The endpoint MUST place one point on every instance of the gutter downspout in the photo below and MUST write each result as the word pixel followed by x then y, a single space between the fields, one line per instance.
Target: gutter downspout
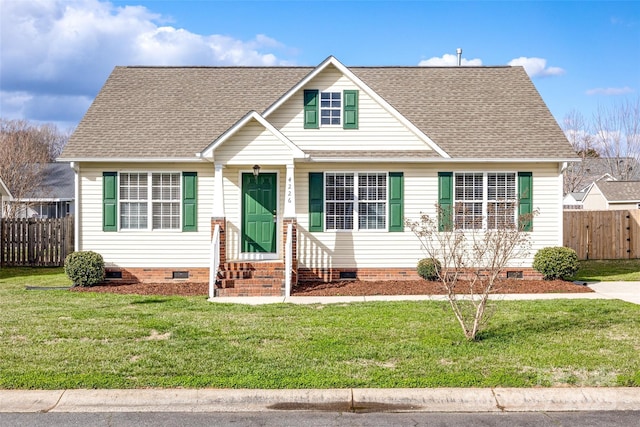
pixel 76 220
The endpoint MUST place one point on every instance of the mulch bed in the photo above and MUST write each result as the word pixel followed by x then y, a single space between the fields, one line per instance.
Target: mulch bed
pixel 345 288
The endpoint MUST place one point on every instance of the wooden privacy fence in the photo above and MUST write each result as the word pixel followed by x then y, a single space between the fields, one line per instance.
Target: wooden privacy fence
pixel 35 242
pixel 603 234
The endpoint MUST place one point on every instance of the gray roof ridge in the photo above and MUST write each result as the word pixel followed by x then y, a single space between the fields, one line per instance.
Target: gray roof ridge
pixel 262 67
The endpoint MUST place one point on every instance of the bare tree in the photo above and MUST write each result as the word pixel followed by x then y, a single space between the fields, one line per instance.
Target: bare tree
pixel 472 261
pixel 576 175
pixel 25 149
pixel 617 136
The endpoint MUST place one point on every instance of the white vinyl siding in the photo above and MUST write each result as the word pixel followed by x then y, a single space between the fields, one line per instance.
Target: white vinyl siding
pixel 144 248
pixel 253 144
pixel 377 128
pixel 372 248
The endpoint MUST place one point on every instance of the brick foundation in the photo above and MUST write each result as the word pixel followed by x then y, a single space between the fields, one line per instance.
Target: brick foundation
pixel 372 274
pixel 158 275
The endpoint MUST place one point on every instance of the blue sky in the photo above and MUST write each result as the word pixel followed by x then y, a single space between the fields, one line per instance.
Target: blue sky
pixel 56 54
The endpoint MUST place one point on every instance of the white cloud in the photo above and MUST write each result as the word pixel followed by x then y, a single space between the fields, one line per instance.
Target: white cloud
pixel 449 60
pixel 610 91
pixel 536 67
pixel 54 48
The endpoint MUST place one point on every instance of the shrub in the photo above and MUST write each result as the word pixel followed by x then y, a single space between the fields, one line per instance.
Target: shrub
pixel 84 268
pixel 428 268
pixel 556 262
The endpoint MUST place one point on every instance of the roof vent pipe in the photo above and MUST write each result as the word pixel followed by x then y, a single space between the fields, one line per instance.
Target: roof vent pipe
pixel 459 52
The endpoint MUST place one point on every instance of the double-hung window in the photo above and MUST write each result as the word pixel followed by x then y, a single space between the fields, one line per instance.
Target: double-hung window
pixel 134 201
pixel 356 200
pixel 330 108
pixel 485 200
pixel 149 194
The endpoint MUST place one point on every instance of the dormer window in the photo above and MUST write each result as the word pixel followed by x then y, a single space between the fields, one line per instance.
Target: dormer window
pixel 330 109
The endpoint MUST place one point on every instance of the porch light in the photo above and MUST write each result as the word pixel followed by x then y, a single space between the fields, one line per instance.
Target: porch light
pixel 256 170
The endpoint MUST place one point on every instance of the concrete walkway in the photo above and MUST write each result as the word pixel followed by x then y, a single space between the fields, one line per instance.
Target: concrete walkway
pixel 626 291
pixel 335 400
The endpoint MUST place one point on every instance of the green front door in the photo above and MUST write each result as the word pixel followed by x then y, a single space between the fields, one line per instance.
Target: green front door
pixel 259 212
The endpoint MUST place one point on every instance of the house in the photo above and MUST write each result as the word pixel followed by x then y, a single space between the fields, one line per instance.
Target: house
pixel 5 196
pixel 612 195
pixel 54 197
pixel 251 177
pixel 578 176
pixel 573 200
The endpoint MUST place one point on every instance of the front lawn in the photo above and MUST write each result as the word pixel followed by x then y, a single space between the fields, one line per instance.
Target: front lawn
pixel 609 270
pixel 58 339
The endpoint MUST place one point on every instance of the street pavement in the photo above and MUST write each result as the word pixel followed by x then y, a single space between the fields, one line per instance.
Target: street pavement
pixel 432 400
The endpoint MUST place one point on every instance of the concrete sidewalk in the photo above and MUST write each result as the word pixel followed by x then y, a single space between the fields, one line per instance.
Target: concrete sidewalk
pixel 336 400
pixel 626 291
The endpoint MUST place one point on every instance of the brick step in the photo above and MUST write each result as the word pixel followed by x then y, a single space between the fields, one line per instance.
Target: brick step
pixel 252 266
pixel 247 283
pixel 234 274
pixel 249 292
pixel 250 278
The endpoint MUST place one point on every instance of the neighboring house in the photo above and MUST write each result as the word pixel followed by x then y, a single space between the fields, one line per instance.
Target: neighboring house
pixel 612 195
pixel 168 157
pixel 578 176
pixel 573 200
pixel 5 197
pixel 55 196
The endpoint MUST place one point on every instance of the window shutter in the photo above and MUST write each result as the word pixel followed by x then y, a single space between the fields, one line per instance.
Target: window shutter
pixel 316 201
pixel 525 199
pixel 311 109
pixel 189 201
pixel 350 109
pixel 445 201
pixel 110 201
pixel 396 201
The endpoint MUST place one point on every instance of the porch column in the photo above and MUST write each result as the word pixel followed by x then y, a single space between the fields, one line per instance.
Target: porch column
pixel 289 218
pixel 218 193
pixel 218 249
pixel 289 194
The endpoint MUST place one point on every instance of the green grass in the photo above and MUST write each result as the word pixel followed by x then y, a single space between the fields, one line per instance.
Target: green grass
pixel 609 270
pixel 61 339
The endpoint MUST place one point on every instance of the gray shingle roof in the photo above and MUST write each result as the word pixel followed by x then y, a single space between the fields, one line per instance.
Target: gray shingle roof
pixel 58 182
pixel 175 112
pixel 619 191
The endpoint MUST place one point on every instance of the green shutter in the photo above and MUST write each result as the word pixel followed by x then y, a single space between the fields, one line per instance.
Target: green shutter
pixel 350 109
pixel 396 201
pixel 311 105
pixel 525 199
pixel 189 201
pixel 316 201
pixel 110 201
pixel 445 201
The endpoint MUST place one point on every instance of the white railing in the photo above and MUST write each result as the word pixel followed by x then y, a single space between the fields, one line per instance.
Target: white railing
pixel 288 260
pixel 214 260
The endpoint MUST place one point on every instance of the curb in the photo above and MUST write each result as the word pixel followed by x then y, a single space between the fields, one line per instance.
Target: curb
pixel 334 400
